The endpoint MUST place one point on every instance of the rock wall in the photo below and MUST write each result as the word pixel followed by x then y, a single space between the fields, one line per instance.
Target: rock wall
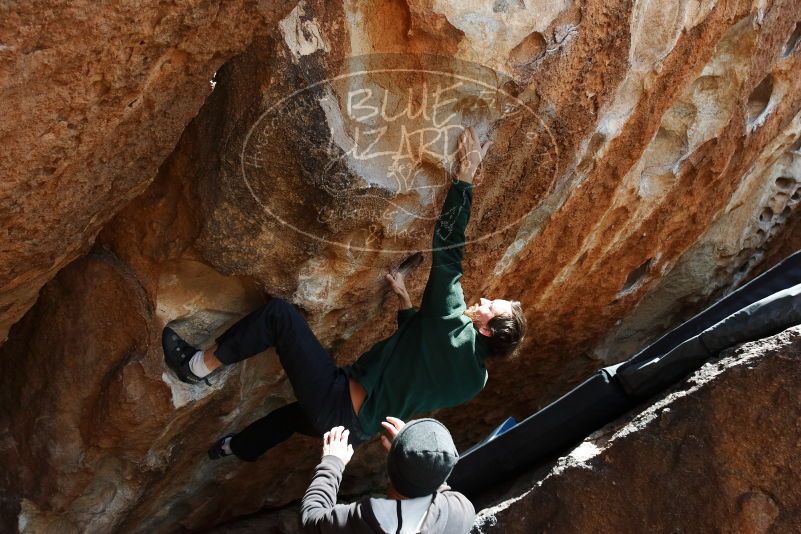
pixel 93 100
pixel 716 454
pixel 645 159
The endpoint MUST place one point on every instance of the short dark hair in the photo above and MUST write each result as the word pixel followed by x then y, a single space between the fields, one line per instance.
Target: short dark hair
pixel 506 332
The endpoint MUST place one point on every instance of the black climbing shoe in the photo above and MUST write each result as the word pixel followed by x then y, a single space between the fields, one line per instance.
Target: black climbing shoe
pixel 177 354
pixel 216 451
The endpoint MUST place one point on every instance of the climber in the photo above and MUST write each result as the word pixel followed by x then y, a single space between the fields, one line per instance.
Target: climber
pixel 420 456
pixel 435 358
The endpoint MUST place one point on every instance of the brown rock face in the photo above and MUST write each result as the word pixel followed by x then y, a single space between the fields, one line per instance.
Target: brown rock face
pixel 93 100
pixel 646 158
pixel 717 454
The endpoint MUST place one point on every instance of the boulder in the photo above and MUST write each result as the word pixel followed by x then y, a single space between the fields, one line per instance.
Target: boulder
pixel 206 157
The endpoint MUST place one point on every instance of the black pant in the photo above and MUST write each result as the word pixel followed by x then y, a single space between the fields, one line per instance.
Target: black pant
pixel 321 388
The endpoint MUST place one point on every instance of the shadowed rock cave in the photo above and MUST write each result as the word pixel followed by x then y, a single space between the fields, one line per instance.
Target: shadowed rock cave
pixel 183 163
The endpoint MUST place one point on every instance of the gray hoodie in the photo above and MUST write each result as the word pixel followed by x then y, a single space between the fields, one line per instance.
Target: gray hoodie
pixel 446 511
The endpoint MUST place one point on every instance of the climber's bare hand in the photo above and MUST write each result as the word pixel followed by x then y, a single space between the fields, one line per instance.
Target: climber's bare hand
pixel 398 285
pixel 470 154
pixel 335 443
pixel 392 425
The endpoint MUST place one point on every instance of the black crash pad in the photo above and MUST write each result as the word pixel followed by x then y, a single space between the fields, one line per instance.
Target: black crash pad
pixel 782 276
pixel 562 423
pixel 763 318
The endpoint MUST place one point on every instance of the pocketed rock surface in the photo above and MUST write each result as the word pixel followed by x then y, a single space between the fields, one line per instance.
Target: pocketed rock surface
pixel 182 163
pixel 718 453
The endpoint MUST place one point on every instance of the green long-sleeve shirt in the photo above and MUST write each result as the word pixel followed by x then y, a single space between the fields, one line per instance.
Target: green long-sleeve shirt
pixel 435 357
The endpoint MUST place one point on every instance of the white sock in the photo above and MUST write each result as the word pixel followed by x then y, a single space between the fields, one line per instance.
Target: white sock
pixel 226 446
pixel 198 365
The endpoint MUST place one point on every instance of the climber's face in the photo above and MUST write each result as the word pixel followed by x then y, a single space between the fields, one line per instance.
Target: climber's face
pixel 485 309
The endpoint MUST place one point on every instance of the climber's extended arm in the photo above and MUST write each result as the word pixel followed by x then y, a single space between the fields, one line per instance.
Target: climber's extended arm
pixel 443 295
pixel 319 511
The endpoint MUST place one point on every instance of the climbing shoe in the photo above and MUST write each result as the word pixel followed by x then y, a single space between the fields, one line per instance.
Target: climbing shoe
pixel 216 451
pixel 177 354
